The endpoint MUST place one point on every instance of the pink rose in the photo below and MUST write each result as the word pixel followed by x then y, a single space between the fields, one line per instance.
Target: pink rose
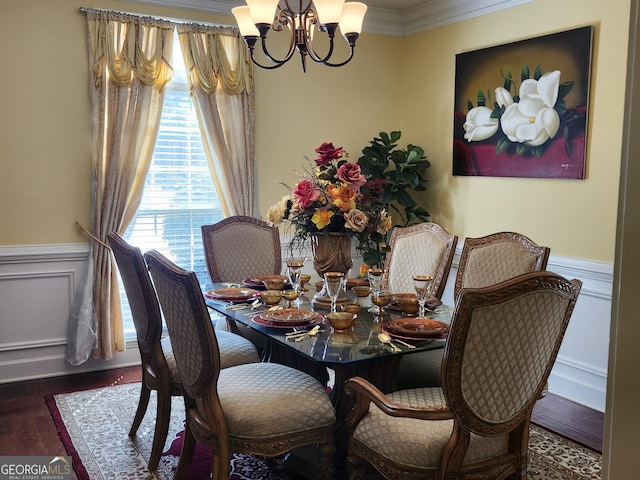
pixel 351 174
pixel 327 152
pixel 305 193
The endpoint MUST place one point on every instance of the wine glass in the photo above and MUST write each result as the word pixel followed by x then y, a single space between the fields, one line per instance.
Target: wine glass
pixel 333 283
pixel 294 270
pixel 422 284
pixel 375 276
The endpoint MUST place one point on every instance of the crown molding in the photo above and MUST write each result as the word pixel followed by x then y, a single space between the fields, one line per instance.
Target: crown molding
pixel 382 21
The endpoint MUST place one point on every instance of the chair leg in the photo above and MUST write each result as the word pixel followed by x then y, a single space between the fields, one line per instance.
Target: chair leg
pixel 143 402
pixel 163 415
pixel 357 467
pixel 186 454
pixel 326 452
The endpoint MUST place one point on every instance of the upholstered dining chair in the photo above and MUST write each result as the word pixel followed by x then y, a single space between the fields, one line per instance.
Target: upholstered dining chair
pixel 497 257
pixel 502 345
pixel 159 370
pixel 241 247
pixel 237 248
pixel 483 261
pixel 266 409
pixel 424 248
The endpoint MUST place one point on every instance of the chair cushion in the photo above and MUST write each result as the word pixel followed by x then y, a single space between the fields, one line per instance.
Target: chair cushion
pixel 419 443
pixel 267 399
pixel 235 350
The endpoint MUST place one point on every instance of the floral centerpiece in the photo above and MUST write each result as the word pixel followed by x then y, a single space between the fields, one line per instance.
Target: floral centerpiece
pixel 336 195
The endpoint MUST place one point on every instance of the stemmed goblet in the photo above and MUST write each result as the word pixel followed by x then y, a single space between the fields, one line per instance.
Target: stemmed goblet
pixel 380 299
pixel 294 270
pixel 375 276
pixel 333 283
pixel 422 284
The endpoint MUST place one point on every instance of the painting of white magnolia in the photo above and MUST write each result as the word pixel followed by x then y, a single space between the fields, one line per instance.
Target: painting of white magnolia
pixel 531 124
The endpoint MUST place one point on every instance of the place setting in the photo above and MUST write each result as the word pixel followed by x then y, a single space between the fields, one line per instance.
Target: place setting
pixel 288 318
pixel 234 297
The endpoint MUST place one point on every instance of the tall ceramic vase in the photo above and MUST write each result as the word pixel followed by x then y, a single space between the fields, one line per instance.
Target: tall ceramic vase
pixel 331 253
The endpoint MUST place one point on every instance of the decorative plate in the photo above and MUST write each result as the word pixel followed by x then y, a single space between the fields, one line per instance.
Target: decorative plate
pixel 418 327
pixel 257 281
pixel 231 294
pixel 269 323
pixel 289 316
pixel 412 338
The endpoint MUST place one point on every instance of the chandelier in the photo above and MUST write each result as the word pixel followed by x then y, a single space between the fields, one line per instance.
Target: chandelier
pixel 259 16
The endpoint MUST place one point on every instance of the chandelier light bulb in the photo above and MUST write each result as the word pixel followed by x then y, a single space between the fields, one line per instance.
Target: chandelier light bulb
pixel 262 11
pixel 245 22
pixel 329 11
pixel 352 17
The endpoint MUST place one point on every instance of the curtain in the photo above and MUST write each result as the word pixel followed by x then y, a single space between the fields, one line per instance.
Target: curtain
pixel 220 75
pixel 129 66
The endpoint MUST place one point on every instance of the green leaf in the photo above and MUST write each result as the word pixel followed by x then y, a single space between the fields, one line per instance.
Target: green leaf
pixel 567 141
pixel 469 105
pixel 395 136
pixel 502 145
pixel 565 88
pixel 524 73
pixel 373 258
pixel 521 149
pixel 481 99
pixel 538 73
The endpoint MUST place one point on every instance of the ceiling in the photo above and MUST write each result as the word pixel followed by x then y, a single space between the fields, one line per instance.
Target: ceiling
pixel 386 17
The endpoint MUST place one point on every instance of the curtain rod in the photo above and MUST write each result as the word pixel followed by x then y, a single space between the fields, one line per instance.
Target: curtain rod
pixel 84 10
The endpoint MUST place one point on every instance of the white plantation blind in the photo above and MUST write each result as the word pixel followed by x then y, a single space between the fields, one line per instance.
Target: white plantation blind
pixel 179 195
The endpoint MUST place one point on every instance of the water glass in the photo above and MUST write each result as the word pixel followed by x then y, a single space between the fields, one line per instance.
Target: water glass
pixel 333 283
pixel 422 284
pixel 294 270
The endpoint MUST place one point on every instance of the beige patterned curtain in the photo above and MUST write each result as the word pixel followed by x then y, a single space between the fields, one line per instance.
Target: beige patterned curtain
pixel 220 75
pixel 129 67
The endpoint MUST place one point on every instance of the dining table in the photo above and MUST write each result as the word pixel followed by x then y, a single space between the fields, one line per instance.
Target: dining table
pixel 330 356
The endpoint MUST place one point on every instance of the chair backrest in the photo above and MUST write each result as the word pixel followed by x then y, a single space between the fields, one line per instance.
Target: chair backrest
pixel 502 345
pixel 421 249
pixel 192 337
pixel 143 302
pixel 240 247
pixel 498 257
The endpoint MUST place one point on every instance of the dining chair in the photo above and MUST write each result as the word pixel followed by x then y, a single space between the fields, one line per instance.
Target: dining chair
pixel 503 342
pixel 237 248
pixel 241 247
pixel 267 409
pixel 497 257
pixel 424 248
pixel 484 261
pixel 159 370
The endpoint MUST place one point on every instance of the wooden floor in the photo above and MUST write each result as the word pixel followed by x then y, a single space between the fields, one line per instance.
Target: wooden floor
pixel 26 426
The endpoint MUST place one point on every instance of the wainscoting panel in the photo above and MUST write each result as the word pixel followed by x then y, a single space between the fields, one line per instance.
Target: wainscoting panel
pixel 37 285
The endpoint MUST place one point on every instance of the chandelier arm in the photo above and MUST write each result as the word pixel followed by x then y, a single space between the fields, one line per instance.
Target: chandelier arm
pixel 312 53
pixel 265 50
pixel 329 64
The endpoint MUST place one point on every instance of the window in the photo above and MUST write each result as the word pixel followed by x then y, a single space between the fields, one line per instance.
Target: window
pixel 179 195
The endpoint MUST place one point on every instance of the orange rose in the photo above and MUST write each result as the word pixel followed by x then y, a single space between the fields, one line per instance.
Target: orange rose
pixel 343 197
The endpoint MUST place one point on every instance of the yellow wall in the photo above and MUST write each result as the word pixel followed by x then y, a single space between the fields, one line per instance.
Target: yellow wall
pixel 393 83
pixel 576 218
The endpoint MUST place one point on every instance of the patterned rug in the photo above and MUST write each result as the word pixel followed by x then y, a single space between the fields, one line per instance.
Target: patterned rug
pixel 93 425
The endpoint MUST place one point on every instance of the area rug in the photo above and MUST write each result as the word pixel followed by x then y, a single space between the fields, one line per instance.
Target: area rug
pixel 93 426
